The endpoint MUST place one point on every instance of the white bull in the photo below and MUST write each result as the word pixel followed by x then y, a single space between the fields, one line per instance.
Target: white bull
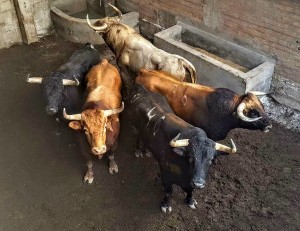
pixel 134 52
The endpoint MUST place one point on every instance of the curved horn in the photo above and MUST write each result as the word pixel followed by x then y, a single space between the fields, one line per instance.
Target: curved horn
pixel 68 82
pixel 258 93
pixel 190 67
pixel 71 117
pixel 34 80
pixel 224 148
pixel 119 12
pixel 179 143
pixel 241 115
pixel 96 28
pixel 110 112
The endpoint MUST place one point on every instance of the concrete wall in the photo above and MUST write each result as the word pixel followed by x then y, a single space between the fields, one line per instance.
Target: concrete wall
pixel 42 19
pixel 9 26
pixel 271 27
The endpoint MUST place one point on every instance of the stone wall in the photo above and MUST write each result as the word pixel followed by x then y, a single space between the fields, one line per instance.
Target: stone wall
pixel 9 26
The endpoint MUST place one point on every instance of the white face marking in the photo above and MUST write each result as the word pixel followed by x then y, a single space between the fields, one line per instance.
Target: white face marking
pixel 150 116
pixel 135 97
pixel 155 126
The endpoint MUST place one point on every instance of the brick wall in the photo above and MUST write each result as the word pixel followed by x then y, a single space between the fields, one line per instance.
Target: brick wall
pixel 163 12
pixel 9 26
pixel 270 26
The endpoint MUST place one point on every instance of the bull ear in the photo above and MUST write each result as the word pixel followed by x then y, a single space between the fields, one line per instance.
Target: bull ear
pixel 179 151
pixel 76 125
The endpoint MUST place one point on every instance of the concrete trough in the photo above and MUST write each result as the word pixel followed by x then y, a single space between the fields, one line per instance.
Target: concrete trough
pixel 70 23
pixel 219 63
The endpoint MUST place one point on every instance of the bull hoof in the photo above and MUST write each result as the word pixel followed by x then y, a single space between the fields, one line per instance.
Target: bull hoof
pixel 138 153
pixel 88 178
pixel 113 168
pixel 148 153
pixel 166 209
pixel 193 204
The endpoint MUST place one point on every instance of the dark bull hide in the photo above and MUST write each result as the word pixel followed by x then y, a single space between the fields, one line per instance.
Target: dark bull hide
pixel 59 87
pixel 183 151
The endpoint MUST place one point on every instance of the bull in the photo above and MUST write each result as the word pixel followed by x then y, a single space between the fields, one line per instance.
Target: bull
pixel 184 152
pixel 215 110
pixel 99 119
pixel 59 87
pixel 134 52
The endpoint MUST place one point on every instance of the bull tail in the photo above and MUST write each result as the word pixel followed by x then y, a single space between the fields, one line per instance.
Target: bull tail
pixel 190 68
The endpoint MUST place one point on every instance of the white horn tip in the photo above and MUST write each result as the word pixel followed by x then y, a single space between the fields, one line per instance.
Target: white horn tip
pixel 233 146
pixel 64 112
pixel 77 82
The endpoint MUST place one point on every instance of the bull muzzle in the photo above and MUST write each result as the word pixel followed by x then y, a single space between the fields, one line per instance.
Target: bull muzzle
pixel 267 128
pixel 51 110
pixel 99 150
pixel 198 183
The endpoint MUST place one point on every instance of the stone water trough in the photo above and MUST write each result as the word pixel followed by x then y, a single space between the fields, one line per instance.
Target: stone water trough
pixel 219 63
pixel 70 23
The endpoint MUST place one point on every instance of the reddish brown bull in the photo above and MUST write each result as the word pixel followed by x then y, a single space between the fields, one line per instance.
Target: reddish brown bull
pixel 99 119
pixel 215 110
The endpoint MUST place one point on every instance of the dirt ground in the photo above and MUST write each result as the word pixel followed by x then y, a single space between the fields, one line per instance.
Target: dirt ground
pixel 42 169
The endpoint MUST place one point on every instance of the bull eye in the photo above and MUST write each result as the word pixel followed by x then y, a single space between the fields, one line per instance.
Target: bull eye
pixel 253 113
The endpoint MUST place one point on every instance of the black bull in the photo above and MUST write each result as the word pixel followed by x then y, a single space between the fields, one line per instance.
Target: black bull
pixel 59 96
pixel 184 161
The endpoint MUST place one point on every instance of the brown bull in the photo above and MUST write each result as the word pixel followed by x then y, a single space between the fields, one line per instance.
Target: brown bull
pixel 215 110
pixel 134 52
pixel 99 118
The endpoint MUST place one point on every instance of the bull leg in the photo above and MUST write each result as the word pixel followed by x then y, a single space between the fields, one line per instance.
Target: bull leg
pixel 113 167
pixel 126 81
pixel 165 204
pixel 146 152
pixel 139 147
pixel 89 176
pixel 84 147
pixel 190 202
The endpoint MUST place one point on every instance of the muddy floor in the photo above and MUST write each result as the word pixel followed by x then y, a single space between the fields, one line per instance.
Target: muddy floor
pixel 41 169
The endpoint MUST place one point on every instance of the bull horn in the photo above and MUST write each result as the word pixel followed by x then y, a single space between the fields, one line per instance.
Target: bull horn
pixel 175 143
pixel 68 82
pixel 34 80
pixel 190 67
pixel 258 93
pixel 224 148
pixel 119 12
pixel 241 115
pixel 71 117
pixel 96 28
pixel 110 112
